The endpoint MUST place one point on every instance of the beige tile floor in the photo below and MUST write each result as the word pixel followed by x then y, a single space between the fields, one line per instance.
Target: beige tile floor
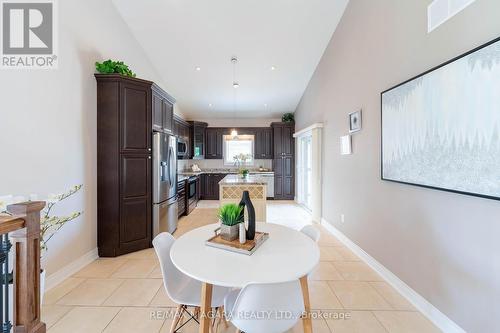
pixel 126 294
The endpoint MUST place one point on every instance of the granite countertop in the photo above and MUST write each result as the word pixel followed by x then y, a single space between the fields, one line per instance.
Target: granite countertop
pixel 225 171
pixel 181 178
pixel 238 180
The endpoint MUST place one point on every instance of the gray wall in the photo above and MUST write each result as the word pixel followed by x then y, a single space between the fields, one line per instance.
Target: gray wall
pixel 443 245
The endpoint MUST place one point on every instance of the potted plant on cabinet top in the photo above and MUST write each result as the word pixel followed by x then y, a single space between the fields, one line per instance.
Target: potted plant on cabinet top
pixel 114 67
pixel 230 217
pixel 288 117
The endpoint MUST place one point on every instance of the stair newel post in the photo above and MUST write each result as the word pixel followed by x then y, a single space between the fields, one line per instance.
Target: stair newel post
pixel 26 242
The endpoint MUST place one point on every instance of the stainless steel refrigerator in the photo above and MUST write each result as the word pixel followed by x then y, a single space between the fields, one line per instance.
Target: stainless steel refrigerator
pixel 164 183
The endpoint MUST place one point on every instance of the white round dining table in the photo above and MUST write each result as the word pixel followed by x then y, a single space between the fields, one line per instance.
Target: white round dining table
pixel 286 255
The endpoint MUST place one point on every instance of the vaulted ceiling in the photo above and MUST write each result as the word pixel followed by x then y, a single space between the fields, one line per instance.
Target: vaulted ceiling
pixel 191 42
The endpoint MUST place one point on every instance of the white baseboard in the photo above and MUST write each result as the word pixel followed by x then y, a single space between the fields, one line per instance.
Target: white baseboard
pixel 55 278
pixel 420 303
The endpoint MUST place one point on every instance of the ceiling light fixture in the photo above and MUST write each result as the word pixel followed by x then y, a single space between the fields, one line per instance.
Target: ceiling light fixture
pixel 197 68
pixel 234 61
pixel 273 68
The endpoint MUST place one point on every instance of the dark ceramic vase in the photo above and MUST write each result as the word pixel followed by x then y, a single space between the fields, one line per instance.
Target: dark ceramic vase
pixel 246 202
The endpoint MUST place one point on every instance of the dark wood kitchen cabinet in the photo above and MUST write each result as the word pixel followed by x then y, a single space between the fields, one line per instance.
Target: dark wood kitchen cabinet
pixel 263 143
pixel 284 160
pixel 163 110
pixel 125 121
pixel 181 128
pixel 197 139
pixel 210 185
pixel 214 141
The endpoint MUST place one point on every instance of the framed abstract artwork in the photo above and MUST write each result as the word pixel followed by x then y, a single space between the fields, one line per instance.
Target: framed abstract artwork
pixel 441 129
pixel 355 121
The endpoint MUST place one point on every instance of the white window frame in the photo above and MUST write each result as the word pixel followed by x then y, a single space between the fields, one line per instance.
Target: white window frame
pixel 227 138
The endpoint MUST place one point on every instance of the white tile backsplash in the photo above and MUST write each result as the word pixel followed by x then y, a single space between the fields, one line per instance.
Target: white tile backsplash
pixel 219 164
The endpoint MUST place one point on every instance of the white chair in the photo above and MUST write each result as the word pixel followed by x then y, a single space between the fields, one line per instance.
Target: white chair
pixel 269 308
pixel 312 232
pixel 182 289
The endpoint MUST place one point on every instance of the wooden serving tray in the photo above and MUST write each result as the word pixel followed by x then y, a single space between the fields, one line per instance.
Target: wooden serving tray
pixel 235 246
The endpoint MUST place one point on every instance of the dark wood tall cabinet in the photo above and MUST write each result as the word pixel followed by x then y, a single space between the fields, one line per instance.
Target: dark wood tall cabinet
pixel 128 109
pixel 264 143
pixel 197 135
pixel 213 142
pixel 284 160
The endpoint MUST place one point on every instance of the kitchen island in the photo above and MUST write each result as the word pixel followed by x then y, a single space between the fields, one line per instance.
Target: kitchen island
pixel 231 190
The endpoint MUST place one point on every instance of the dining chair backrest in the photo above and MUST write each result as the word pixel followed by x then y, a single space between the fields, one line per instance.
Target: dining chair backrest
pixel 173 279
pixel 312 232
pixel 270 308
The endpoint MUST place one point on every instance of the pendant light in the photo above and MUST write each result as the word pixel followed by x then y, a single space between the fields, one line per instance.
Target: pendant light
pixel 236 85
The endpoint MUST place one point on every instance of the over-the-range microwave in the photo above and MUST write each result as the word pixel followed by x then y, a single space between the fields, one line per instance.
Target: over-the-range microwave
pixel 182 148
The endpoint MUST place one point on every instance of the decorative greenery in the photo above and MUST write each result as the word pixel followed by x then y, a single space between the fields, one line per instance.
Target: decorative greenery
pixel 230 214
pixel 244 172
pixel 288 117
pixel 109 66
pixel 50 225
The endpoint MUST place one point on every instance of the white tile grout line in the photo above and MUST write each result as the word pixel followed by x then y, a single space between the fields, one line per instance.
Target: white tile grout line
pixel 425 307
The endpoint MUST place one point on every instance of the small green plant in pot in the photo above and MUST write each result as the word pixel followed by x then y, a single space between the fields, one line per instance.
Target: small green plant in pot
pixel 230 217
pixel 244 172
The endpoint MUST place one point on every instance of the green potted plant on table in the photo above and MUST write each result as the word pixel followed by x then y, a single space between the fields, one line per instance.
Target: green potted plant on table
pixel 244 173
pixel 230 217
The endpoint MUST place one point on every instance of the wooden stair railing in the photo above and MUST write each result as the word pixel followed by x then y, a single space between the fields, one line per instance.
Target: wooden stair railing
pixel 24 229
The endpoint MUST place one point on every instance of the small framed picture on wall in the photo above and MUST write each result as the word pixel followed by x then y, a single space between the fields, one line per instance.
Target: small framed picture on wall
pixel 355 121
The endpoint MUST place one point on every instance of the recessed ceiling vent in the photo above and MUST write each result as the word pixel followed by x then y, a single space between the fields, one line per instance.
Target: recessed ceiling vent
pixel 439 11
